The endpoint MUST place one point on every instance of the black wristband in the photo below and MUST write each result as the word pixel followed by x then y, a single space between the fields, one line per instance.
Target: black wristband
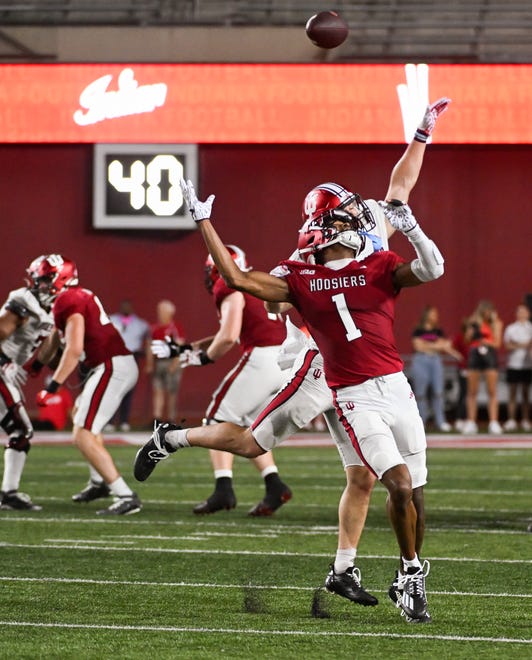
pixel 53 386
pixel 204 358
pixel 36 366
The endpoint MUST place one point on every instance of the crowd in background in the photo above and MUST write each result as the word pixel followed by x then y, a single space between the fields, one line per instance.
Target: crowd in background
pixel 480 350
pixel 453 375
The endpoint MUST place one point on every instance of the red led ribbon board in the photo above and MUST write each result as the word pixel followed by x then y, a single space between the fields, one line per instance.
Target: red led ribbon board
pixel 256 103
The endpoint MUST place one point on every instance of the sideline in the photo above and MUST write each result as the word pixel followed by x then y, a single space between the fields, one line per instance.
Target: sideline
pixel 434 440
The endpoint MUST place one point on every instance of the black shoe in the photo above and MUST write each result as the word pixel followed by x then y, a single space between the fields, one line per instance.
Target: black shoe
pixel 272 501
pixel 218 501
pixel 155 450
pixel 12 499
pixel 92 491
pixel 396 592
pixel 348 585
pixel 412 598
pixel 122 506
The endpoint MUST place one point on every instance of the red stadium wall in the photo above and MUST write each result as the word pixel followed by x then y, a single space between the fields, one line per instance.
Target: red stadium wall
pixel 472 199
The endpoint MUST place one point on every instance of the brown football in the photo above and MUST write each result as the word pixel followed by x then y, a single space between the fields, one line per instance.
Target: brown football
pixel 327 29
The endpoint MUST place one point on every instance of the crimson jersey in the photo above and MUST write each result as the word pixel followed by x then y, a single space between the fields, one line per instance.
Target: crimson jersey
pixel 102 339
pixel 258 327
pixel 350 314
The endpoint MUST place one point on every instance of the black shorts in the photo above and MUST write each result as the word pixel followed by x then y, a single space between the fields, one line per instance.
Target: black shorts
pixel 482 358
pixel 519 376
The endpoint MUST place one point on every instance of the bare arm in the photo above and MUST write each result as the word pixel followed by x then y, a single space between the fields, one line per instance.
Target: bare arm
pixel 231 312
pixel 74 341
pixel 9 322
pixel 258 284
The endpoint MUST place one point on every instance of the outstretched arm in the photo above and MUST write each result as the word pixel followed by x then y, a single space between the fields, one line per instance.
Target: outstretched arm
pixel 406 171
pixel 258 284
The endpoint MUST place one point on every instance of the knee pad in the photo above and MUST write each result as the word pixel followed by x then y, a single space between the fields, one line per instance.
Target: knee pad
pixel 417 466
pixel 19 443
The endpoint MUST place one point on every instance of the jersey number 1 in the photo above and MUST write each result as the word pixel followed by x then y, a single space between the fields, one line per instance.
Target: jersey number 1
pixel 351 331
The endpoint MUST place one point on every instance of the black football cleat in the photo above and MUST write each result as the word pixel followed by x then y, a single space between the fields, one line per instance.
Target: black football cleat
pixel 13 500
pixel 154 451
pixel 122 506
pixel 92 491
pixel 272 501
pixel 218 501
pixel 349 586
pixel 411 595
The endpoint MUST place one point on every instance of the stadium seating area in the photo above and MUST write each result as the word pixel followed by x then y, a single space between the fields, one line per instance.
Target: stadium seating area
pixel 381 30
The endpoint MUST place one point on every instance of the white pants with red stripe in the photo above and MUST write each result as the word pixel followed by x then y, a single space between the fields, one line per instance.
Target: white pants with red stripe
pixel 382 420
pixel 247 387
pixel 103 392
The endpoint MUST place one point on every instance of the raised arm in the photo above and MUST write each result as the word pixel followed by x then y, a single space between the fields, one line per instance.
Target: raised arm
pixel 406 171
pixel 258 284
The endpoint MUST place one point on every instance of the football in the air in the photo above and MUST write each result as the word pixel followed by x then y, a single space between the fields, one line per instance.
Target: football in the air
pixel 327 29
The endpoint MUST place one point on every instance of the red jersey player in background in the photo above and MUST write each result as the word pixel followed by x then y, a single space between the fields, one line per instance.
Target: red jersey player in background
pixel 254 379
pixel 89 335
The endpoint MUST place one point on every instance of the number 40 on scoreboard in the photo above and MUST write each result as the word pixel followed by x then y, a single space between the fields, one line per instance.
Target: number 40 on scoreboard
pixel 136 186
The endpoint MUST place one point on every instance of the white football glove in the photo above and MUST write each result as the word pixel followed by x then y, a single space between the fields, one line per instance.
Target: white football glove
pixel 399 215
pixel 198 210
pixel 194 358
pixel 167 347
pixel 433 111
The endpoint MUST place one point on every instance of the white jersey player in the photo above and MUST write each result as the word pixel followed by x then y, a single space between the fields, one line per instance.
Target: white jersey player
pixel 25 323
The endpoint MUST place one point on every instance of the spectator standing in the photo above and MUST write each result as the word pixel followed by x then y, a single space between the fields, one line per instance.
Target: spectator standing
pixel 429 343
pixel 135 332
pixel 518 342
pixel 460 345
pixel 165 372
pixel 484 335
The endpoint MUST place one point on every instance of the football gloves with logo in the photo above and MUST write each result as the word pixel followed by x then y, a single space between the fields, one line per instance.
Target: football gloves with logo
pixel 194 358
pixel 433 111
pixel 167 347
pixel 399 215
pixel 198 210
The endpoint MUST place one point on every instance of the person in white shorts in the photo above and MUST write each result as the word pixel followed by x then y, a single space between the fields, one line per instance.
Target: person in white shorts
pixel 306 395
pixel 89 335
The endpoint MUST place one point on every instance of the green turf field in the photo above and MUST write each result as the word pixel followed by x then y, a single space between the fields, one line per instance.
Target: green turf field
pixel 166 584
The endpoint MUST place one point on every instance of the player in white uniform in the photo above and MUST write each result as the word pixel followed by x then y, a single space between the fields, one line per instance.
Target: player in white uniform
pixel 26 323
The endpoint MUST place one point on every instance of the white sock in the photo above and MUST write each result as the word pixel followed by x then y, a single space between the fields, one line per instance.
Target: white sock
pixel 177 439
pixel 14 462
pixel 271 469
pixel 119 488
pixel 411 563
pixel 94 475
pixel 218 474
pixel 345 558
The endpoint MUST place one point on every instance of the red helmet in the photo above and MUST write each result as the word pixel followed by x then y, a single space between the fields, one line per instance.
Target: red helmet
pixel 48 275
pixel 325 204
pixel 211 272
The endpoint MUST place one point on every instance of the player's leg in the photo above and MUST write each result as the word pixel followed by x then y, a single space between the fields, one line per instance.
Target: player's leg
pixel 96 404
pixel 364 409
pixel 16 423
pixel 223 495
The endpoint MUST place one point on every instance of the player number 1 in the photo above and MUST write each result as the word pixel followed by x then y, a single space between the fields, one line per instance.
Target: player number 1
pixel 351 331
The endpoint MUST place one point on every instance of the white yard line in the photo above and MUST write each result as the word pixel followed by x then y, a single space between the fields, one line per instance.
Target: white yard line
pixel 247 631
pixel 195 585
pixel 82 545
